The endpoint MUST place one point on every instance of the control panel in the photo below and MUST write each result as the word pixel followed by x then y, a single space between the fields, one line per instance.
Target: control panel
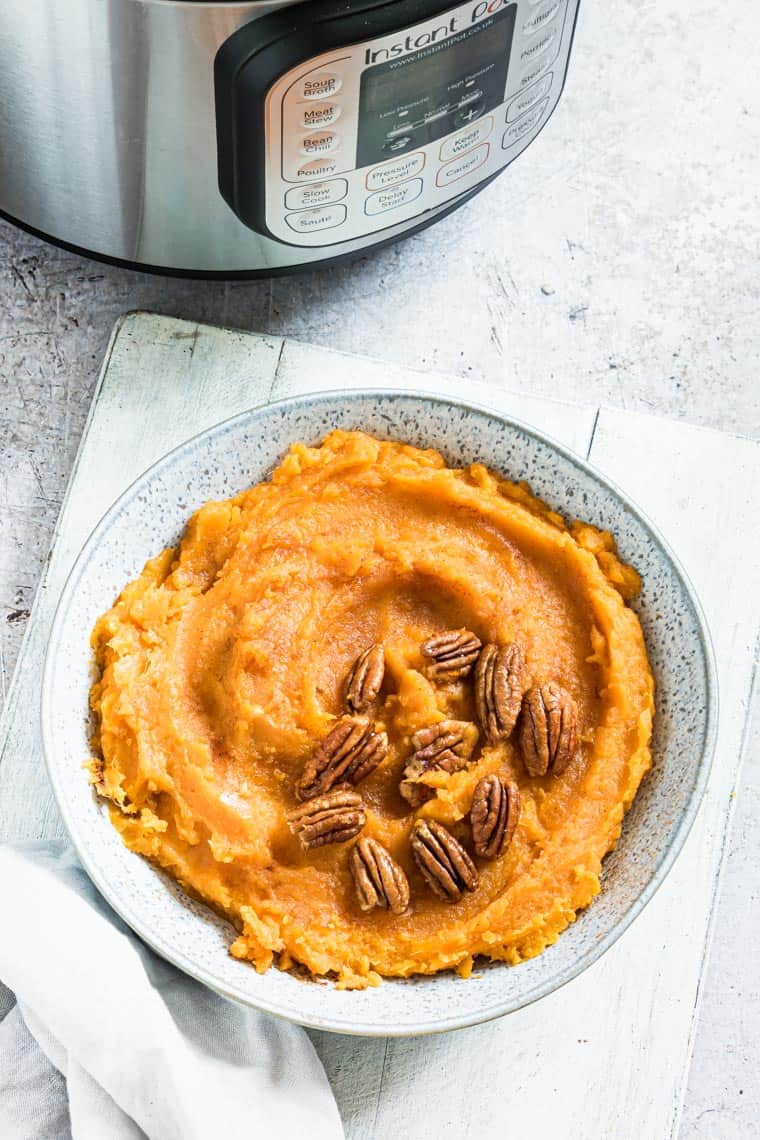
pixel 376 132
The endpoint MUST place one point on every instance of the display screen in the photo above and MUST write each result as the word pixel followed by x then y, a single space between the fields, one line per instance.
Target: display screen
pixel 409 98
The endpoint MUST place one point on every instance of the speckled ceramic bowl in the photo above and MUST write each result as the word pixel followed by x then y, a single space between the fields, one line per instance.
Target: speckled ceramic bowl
pixel 230 457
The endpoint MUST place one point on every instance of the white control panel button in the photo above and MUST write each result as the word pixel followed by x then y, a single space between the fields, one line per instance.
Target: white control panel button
pixel 542 16
pixel 461 167
pixel 396 171
pixel 528 98
pixel 540 46
pixel 524 125
pixel 319 85
pixel 320 168
pixel 393 197
pixel 323 142
pixel 322 218
pixel 536 70
pixel 318 115
pixel 466 140
pixel 316 194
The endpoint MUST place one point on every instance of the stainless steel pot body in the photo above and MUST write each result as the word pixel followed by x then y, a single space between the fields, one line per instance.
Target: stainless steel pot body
pixel 108 131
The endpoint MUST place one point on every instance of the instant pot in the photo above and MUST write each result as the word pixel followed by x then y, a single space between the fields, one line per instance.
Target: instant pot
pixel 252 138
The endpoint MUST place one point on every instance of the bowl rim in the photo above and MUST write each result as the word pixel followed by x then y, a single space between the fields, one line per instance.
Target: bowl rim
pixel 428 1026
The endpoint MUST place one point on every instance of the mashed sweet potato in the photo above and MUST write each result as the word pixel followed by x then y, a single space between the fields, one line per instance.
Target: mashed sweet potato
pixel 222 667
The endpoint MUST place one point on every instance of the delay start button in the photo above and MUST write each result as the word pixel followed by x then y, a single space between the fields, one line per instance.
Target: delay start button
pixel 321 218
pixel 319 85
pixel 393 197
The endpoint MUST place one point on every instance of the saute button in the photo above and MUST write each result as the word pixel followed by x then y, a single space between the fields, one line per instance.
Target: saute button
pixel 316 194
pixel 320 168
pixel 463 166
pixel 319 85
pixel 393 197
pixel 466 140
pixel 319 114
pixel 527 99
pixel 323 142
pixel 323 218
pixel 523 125
pixel 395 171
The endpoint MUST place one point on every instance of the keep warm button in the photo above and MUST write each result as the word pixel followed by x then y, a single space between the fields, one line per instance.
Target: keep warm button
pixel 467 139
pixel 463 166
pixel 393 197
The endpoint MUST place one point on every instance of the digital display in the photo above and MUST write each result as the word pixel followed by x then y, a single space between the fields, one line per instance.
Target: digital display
pixel 409 98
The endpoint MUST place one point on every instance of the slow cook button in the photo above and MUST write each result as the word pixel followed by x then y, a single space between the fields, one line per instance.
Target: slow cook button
pixel 319 85
pixel 316 194
pixel 527 99
pixel 393 197
pixel 323 142
pixel 523 125
pixel 463 166
pixel 322 218
pixel 320 168
pixel 466 140
pixel 319 115
pixel 395 171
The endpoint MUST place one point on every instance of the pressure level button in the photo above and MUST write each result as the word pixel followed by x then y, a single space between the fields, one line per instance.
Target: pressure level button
pixel 320 85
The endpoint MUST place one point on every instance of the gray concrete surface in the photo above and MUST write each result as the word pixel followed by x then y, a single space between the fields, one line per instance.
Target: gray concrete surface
pixel 616 263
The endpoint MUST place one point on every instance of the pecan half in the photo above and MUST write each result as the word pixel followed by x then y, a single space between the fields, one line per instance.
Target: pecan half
pixel 349 752
pixel 447 745
pixel 493 816
pixel 378 879
pixel 499 685
pixel 451 654
pixel 548 729
pixel 364 681
pixel 443 862
pixel 332 818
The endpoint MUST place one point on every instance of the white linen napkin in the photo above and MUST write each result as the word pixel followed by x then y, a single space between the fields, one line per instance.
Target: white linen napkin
pixel 100 1039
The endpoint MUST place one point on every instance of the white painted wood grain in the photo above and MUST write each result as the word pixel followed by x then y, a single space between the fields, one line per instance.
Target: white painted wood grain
pixel 576 1065
pixel 162 382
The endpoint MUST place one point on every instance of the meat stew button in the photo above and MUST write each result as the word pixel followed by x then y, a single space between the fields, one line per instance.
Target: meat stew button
pixel 321 218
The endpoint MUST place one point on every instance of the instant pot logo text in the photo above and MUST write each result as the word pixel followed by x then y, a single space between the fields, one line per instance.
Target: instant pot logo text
pixel 453 25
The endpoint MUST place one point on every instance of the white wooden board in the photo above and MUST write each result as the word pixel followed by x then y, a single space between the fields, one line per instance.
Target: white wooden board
pixel 608 1055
